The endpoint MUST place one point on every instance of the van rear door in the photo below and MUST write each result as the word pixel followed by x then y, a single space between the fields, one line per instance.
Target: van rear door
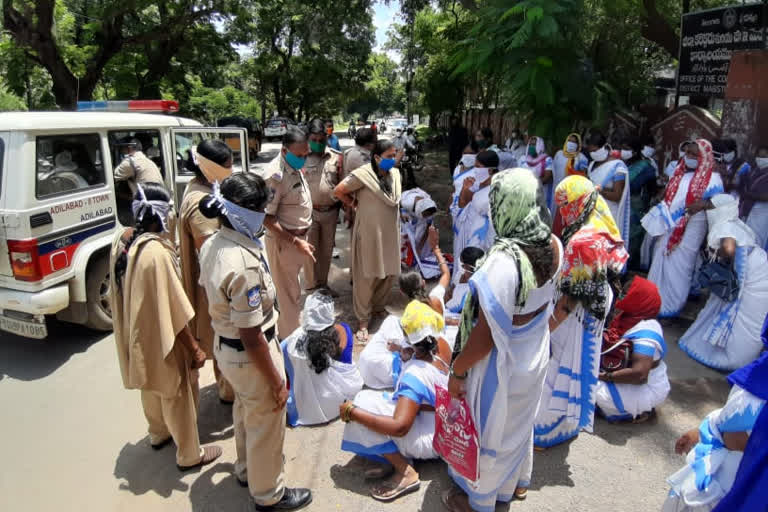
pixel 183 140
pixel 5 262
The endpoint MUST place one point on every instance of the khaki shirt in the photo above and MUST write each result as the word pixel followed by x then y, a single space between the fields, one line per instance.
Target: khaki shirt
pixel 355 158
pixel 322 175
pixel 137 168
pixel 194 225
pixel 292 202
pixel 235 275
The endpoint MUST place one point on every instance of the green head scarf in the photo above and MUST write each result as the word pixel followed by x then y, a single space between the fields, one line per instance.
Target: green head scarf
pixel 517 220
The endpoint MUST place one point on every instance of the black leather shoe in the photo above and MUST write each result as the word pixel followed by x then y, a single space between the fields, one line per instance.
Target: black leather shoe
pixel 293 499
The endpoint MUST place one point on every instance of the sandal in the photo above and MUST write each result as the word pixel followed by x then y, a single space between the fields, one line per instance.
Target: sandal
pixel 385 492
pixel 642 418
pixel 210 454
pixel 521 493
pixel 378 472
pixel 455 500
pixel 361 337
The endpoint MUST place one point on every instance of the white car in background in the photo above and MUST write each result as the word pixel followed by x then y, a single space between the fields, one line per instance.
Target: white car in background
pixel 277 127
pixel 397 124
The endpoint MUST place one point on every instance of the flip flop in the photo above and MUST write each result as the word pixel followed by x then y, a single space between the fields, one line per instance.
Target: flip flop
pixel 521 493
pixel 210 454
pixel 396 492
pixel 361 336
pixel 448 498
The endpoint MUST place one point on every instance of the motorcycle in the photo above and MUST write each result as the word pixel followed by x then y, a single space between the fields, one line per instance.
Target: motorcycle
pixel 411 164
pixel 351 131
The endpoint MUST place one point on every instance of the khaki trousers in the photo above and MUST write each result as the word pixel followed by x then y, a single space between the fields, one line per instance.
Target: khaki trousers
pixel 226 393
pixel 285 262
pixel 177 418
pixel 322 236
pixel 259 432
pixel 370 295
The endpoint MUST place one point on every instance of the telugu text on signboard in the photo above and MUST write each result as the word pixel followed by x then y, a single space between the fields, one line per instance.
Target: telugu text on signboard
pixel 707 40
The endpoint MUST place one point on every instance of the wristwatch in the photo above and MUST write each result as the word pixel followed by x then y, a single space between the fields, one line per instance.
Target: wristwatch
pixel 459 376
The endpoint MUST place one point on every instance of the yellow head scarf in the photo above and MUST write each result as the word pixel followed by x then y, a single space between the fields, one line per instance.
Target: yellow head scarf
pixel 581 205
pixel 419 321
pixel 565 145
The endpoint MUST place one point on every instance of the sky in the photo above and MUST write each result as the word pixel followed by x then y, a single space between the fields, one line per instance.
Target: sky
pixel 383 17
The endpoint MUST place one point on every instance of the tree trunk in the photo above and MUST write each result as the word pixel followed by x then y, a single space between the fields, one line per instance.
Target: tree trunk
pixel 657 29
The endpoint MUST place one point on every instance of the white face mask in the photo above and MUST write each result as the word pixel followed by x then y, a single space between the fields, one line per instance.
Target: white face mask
pixel 468 160
pixel 599 155
pixel 728 157
pixel 571 146
pixel 648 151
pixel 682 154
pixel 762 162
pixel 691 163
pixel 626 154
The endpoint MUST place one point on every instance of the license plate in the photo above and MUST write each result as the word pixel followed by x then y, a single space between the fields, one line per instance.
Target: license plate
pixel 36 330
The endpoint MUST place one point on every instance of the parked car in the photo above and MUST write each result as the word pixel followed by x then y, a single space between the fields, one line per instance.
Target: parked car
pixel 277 127
pixel 60 205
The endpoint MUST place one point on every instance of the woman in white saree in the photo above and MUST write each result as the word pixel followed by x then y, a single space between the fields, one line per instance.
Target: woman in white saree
pixel 726 334
pixel 611 174
pixel 503 348
pixel 678 226
pixel 594 258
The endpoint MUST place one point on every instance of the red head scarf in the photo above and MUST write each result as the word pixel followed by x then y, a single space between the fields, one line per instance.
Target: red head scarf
pixel 642 302
pixel 696 189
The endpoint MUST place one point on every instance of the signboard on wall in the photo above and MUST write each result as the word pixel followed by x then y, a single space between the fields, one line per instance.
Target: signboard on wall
pixel 707 40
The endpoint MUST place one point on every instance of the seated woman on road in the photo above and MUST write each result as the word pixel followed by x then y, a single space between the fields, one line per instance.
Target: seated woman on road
pixel 725 335
pixel 417 210
pixel 151 314
pixel 725 468
pixel 632 393
pixel 454 297
pixel 380 361
pixel 318 362
pixel 753 208
pixel 396 428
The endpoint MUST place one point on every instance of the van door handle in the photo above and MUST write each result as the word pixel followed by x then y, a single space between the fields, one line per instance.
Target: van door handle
pixel 40 219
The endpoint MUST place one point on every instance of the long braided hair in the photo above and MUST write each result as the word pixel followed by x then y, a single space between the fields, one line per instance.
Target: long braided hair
pixel 148 223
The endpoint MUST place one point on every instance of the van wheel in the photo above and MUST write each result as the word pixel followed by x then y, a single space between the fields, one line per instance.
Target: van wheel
pixel 97 295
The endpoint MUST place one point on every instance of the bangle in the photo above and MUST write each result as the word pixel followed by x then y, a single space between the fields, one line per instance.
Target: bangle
pixel 459 376
pixel 346 414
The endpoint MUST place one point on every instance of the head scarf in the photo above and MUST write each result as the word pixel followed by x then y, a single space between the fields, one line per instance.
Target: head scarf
pixel 724 222
pixel 642 302
pixel 516 218
pixel 142 205
pixel 319 312
pixel 246 222
pixel 594 248
pixel 420 321
pixel 750 489
pixel 580 204
pixel 570 164
pixel 540 155
pixel 696 189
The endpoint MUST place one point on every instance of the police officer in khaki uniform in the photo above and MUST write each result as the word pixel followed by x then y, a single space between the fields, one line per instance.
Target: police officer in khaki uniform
pixel 135 167
pixel 289 217
pixel 241 297
pixel 354 158
pixel 321 170
pixel 211 161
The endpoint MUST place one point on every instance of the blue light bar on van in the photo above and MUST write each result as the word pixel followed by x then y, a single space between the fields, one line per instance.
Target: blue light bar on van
pixel 165 106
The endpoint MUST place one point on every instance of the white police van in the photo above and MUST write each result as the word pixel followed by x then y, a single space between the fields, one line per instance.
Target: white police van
pixel 59 206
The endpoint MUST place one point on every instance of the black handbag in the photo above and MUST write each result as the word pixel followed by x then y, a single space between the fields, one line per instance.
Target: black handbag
pixel 720 279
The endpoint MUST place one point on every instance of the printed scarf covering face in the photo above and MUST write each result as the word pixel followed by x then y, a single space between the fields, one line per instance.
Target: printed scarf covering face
pixel 696 189
pixel 516 218
pixel 579 204
pixel 642 302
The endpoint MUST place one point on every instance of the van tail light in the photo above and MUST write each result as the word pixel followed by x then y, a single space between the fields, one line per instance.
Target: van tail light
pixel 25 260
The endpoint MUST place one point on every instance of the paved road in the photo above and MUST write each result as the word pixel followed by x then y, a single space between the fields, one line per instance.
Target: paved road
pixel 73 439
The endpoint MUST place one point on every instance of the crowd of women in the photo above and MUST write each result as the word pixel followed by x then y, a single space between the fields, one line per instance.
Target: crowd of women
pixel 537 321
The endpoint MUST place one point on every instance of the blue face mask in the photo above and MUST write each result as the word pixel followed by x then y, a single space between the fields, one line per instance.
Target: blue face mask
pixel 294 161
pixel 246 222
pixel 387 164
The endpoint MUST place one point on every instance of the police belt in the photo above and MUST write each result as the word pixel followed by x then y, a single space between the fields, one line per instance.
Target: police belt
pixel 324 209
pixel 236 344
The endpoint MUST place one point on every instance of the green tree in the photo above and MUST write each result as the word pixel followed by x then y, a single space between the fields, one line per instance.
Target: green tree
pixel 383 93
pixel 75 40
pixel 308 55
pixel 10 102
